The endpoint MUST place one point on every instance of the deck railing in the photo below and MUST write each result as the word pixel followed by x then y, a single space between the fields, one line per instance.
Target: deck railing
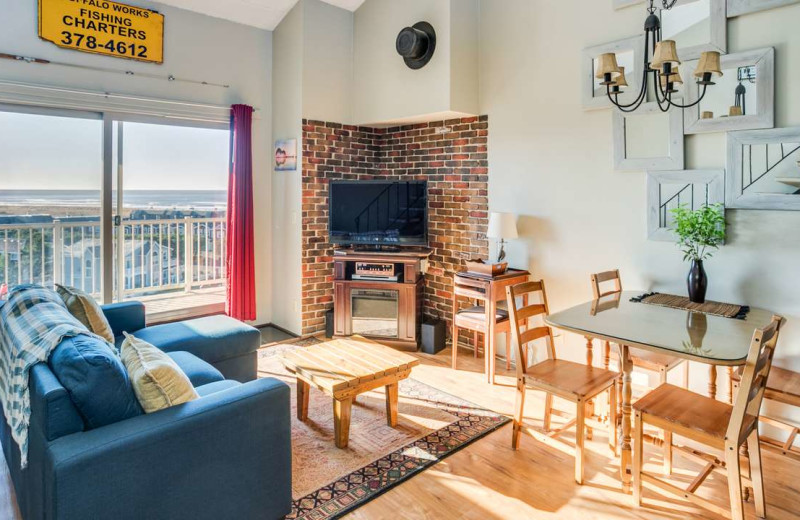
pixel 159 255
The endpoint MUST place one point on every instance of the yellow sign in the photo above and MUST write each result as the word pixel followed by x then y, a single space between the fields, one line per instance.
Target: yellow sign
pixel 102 27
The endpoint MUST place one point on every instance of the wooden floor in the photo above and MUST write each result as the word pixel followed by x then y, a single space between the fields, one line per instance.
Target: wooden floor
pixel 488 480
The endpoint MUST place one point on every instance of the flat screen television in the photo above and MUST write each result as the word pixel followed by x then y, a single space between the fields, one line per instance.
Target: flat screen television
pixel 378 213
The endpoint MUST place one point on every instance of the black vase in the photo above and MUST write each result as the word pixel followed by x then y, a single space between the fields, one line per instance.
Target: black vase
pixel 697 282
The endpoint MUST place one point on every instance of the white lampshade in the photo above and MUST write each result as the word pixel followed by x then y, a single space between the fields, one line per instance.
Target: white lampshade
pixel 502 225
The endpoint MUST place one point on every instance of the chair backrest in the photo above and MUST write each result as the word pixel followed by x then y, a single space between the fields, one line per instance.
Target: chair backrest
pixel 520 314
pixel 468 289
pixel 606 276
pixel 748 399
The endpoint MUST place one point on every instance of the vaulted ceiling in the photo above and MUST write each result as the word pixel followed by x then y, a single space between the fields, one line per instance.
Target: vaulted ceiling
pixel 265 14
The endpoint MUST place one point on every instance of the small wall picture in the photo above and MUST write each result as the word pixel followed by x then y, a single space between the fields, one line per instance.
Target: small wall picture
pixel 285 155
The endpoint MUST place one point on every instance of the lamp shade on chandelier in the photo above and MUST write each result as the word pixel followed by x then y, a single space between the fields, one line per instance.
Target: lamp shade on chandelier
pixel 661 62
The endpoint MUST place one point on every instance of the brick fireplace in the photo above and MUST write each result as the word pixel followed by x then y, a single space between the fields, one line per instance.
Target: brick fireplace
pixel 451 155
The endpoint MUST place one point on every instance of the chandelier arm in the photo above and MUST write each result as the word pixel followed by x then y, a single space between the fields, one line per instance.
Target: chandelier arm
pixel 642 89
pixel 663 104
pixel 631 107
pixel 658 87
pixel 692 104
pixel 637 101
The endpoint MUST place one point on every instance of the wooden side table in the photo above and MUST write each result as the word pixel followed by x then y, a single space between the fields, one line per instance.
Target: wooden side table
pixel 494 287
pixel 344 368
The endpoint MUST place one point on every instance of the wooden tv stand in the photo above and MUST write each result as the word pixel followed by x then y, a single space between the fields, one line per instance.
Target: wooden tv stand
pixel 387 311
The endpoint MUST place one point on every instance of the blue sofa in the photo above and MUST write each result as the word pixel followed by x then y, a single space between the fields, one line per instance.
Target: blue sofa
pixel 224 455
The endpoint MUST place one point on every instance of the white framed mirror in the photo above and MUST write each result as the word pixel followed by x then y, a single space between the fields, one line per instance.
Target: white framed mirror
pixel 743 98
pixel 696 26
pixel 630 54
pixel 764 169
pixel 740 7
pixel 648 139
pixel 667 191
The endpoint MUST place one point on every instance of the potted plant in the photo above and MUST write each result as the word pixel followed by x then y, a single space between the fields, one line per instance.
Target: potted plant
pixel 700 232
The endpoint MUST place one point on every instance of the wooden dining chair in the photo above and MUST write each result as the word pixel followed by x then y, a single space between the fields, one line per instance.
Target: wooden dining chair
pixel 651 361
pixel 713 423
pixel 476 319
pixel 574 382
pixel 783 386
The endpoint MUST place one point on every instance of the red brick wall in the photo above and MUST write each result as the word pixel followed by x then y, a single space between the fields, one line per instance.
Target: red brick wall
pixel 450 155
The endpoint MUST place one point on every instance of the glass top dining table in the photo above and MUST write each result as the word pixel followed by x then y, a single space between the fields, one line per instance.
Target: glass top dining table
pixel 713 340
pixel 704 338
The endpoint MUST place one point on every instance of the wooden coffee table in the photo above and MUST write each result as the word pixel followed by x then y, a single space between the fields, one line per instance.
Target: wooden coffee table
pixel 344 368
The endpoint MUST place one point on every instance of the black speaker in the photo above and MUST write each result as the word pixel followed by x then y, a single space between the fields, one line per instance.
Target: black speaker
pixel 433 336
pixel 329 324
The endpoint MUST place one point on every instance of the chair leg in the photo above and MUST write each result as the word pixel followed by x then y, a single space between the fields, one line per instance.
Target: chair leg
pixel 638 459
pixel 756 474
pixel 612 418
pixel 455 344
pixel 508 351
pixel 518 414
pixel 734 469
pixel 580 439
pixel 667 452
pixel 548 410
pixel 606 354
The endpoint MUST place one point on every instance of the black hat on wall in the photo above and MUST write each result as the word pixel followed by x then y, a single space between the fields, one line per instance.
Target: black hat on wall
pixel 416 44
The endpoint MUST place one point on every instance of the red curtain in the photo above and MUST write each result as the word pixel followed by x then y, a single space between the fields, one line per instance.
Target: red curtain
pixel 240 302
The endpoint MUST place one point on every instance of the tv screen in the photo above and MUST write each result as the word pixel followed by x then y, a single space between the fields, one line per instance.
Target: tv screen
pixel 378 212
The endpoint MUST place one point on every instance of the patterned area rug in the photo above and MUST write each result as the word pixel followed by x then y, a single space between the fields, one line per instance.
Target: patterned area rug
pixel 328 482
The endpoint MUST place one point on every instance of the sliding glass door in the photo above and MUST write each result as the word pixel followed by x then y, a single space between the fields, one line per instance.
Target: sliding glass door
pixel 123 208
pixel 51 169
pixel 169 245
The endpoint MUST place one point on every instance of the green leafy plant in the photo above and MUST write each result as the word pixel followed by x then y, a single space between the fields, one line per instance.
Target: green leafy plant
pixel 701 231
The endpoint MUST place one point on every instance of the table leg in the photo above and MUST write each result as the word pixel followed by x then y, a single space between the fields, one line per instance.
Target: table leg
pixel 712 381
pixel 590 402
pixel 626 367
pixel 341 421
pixel 391 405
pixel 302 399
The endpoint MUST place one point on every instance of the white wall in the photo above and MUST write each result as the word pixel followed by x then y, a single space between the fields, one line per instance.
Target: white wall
pixel 551 163
pixel 464 56
pixel 327 62
pixel 386 90
pixel 313 79
pixel 287 102
pixel 195 47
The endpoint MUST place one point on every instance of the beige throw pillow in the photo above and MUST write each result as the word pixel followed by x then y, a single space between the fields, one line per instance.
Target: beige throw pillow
pixel 86 310
pixel 157 380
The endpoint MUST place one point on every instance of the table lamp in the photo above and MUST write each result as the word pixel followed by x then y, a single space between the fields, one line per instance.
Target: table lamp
pixel 502 226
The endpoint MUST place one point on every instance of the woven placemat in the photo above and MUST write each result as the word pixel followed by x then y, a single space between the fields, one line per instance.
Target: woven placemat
pixel 726 310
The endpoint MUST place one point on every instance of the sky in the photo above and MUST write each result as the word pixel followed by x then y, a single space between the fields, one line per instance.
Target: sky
pixel 55 153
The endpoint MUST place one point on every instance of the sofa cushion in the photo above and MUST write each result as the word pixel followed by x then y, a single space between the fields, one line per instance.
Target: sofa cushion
pixel 212 339
pixel 96 380
pixel 217 386
pixel 157 380
pixel 198 371
pixel 86 310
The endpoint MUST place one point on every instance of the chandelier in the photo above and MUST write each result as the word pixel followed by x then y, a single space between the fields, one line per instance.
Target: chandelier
pixel 663 68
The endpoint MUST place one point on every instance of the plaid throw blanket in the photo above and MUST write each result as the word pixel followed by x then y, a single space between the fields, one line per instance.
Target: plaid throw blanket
pixel 33 322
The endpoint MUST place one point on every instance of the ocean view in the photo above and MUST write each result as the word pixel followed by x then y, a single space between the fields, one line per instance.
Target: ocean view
pixel 203 200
